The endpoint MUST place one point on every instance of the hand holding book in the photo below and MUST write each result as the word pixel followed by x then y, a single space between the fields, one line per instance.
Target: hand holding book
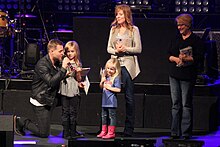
pixel 185 53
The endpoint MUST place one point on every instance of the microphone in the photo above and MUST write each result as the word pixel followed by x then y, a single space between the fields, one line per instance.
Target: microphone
pixel 69 64
pixel 63 57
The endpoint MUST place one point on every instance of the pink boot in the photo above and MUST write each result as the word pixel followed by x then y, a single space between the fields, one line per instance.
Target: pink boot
pixel 111 133
pixel 103 132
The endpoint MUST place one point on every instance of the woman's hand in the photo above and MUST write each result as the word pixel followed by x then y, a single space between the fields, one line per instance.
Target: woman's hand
pixel 120 48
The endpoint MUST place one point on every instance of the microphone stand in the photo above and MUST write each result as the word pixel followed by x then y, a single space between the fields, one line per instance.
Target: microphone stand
pixel 42 21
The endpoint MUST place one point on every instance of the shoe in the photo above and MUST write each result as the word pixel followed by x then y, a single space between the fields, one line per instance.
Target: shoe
pixel 186 137
pixel 80 134
pixel 18 129
pixel 103 132
pixel 110 134
pixel 174 137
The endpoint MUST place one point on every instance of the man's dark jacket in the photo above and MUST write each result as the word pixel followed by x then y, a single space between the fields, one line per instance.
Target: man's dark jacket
pixel 46 81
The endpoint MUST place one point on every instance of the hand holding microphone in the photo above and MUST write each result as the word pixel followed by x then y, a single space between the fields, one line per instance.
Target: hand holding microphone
pixel 65 62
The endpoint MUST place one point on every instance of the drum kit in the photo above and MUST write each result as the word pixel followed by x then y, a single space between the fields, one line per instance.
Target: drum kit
pixel 12 40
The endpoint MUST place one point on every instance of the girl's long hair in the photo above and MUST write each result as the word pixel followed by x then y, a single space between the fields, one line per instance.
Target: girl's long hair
pixel 74 44
pixel 117 66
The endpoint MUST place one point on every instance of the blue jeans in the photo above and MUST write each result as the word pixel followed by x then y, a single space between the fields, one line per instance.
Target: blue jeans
pixel 181 95
pixel 109 116
pixel 128 85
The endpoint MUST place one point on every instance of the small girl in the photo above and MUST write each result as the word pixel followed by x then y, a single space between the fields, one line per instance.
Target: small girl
pixel 69 90
pixel 111 84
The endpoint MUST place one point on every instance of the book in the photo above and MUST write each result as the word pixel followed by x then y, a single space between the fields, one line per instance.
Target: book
pixel 187 51
pixel 85 71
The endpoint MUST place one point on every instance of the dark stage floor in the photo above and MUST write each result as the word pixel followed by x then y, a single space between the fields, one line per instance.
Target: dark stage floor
pixel 55 139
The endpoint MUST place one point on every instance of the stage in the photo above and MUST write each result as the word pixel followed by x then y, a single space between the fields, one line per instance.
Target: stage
pixel 152 122
pixel 153 137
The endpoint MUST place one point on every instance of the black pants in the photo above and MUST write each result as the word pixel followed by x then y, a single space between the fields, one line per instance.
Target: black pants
pixel 69 108
pixel 43 119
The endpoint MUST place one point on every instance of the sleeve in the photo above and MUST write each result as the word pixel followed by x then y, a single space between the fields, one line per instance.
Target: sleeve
pixel 44 72
pixel 136 39
pixel 110 47
pixel 117 82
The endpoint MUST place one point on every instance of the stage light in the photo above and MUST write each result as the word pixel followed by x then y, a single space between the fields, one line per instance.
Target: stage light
pixel 28 6
pixel 192 6
pixel 177 9
pixel 118 2
pixel 60 1
pixel 78 5
pixel 198 2
pixel 87 1
pixel 124 1
pixel 60 7
pixel 205 2
pixel 191 9
pixel 66 8
pixel 9 6
pixel 80 1
pixel 191 2
pixel 139 2
pixel 15 6
pixel 73 7
pixel 73 1
pixel 67 1
pixel 132 2
pixel 205 9
pixel 145 2
pixel 184 2
pixel 198 9
pixel 86 7
pixel 2 6
pixel 178 2
pixel 80 8
pixel 184 9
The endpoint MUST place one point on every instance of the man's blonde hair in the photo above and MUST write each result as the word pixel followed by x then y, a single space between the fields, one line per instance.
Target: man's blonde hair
pixel 53 44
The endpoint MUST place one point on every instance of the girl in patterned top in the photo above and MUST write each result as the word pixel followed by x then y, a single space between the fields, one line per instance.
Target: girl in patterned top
pixel 69 90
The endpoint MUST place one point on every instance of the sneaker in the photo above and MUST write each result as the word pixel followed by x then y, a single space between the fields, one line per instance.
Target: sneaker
pixel 174 137
pixel 186 137
pixel 80 134
pixel 18 129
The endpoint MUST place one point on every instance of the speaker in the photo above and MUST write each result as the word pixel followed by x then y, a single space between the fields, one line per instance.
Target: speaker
pixel 183 143
pixel 90 109
pixel 31 56
pixel 129 142
pixel 158 107
pixel 6 130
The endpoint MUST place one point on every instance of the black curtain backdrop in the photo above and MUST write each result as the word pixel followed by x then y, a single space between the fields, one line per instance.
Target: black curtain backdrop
pixel 92 36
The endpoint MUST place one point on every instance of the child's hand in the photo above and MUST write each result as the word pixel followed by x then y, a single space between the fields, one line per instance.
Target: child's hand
pixel 81 84
pixel 107 85
pixel 78 69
